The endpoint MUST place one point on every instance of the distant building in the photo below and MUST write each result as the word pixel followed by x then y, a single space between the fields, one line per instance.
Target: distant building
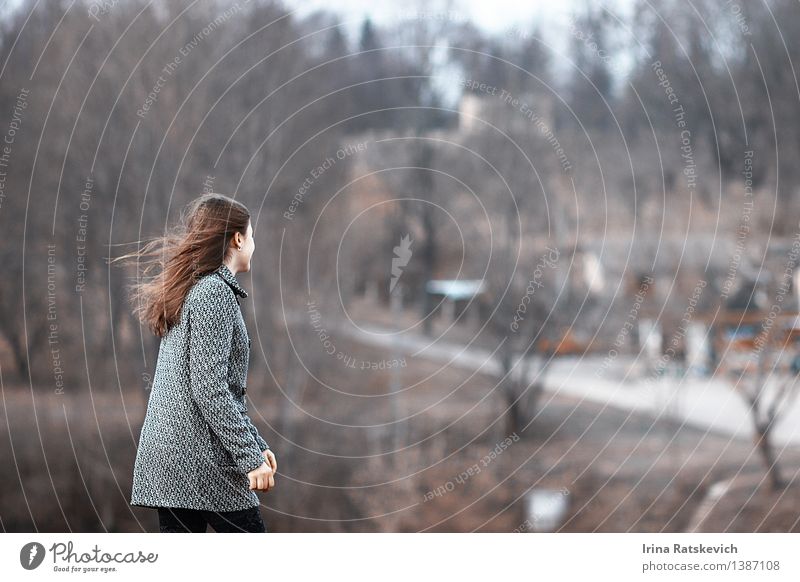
pixel 455 294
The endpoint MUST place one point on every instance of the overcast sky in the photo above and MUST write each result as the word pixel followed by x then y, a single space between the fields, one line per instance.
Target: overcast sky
pixel 490 15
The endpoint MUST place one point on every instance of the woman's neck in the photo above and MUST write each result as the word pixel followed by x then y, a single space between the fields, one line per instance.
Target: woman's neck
pixel 230 266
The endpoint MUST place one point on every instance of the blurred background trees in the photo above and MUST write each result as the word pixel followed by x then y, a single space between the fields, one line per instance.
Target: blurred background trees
pixel 485 149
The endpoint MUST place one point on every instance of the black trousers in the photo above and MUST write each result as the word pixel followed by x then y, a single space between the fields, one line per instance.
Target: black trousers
pixel 179 519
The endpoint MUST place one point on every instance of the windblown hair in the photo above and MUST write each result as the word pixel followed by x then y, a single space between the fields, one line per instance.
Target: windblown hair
pixel 196 246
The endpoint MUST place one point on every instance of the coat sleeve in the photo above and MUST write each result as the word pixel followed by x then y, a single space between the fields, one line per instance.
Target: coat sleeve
pixel 211 323
pixel 262 444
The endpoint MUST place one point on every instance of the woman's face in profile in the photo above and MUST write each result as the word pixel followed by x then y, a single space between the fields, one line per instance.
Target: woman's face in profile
pixel 248 246
pixel 242 256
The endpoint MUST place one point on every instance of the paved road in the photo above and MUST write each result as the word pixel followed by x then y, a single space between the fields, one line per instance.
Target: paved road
pixel 706 404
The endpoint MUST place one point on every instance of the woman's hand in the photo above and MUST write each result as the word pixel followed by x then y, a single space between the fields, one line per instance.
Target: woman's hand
pixel 262 478
pixel 270 457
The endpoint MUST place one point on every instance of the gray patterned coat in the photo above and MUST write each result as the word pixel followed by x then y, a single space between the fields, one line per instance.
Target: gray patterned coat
pixel 197 442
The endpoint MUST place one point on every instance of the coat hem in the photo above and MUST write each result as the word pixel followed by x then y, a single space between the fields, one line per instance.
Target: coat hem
pixel 189 505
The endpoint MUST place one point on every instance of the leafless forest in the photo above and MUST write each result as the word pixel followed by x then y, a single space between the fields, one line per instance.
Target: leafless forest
pixel 478 258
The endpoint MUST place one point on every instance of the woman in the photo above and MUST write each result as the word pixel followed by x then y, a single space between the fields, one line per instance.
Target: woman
pixel 200 460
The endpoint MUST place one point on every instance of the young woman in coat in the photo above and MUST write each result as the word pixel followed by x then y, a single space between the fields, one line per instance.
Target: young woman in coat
pixel 200 460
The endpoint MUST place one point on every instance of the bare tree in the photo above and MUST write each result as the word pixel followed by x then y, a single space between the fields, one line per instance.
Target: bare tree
pixel 768 382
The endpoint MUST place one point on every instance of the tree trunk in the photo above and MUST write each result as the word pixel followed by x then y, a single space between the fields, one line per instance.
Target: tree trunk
pixel 764 444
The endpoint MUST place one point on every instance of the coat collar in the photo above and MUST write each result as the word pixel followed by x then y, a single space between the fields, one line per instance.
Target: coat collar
pixel 224 272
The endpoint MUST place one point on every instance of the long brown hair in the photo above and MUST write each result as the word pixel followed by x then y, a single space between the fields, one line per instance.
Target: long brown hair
pixel 196 246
